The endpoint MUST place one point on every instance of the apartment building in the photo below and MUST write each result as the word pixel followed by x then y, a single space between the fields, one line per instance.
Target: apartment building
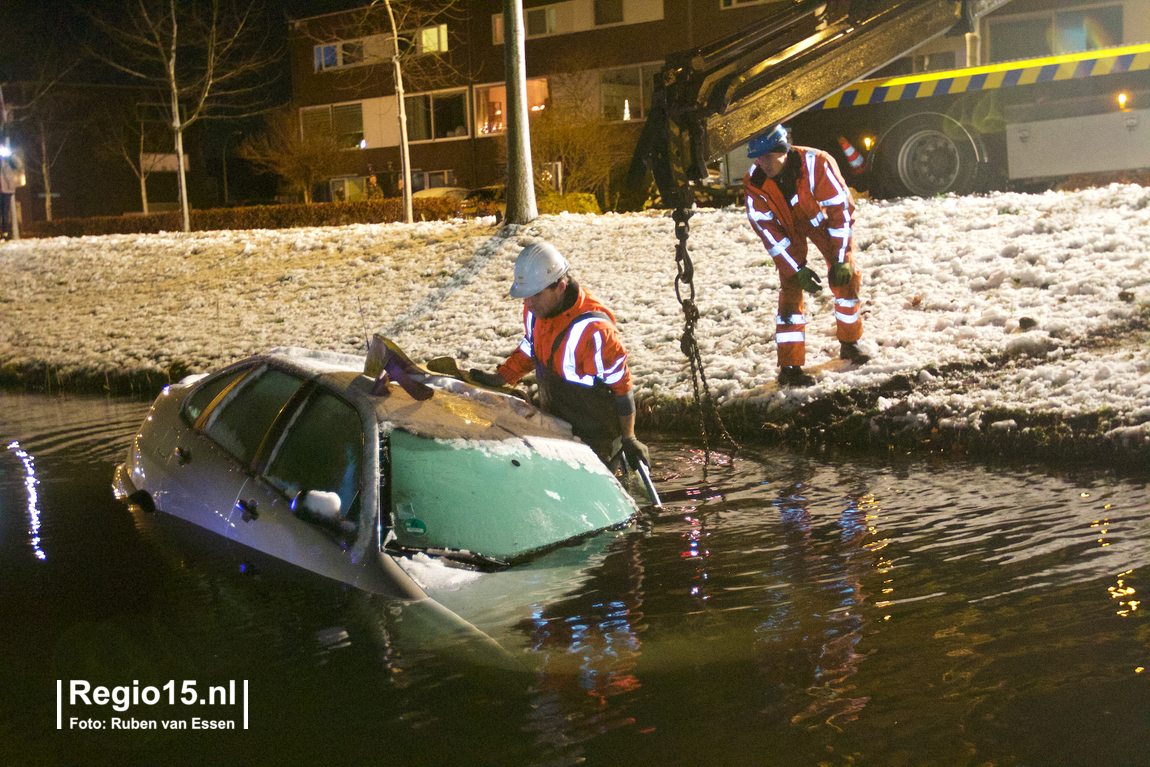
pixel 453 60
pixel 342 77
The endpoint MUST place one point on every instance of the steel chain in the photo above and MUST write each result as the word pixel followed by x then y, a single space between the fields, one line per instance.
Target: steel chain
pixel 689 344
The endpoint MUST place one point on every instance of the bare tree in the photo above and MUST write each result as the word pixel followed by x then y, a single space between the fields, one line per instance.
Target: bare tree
pixel 406 35
pixel 303 160
pixel 209 55
pixel 129 135
pixel 45 114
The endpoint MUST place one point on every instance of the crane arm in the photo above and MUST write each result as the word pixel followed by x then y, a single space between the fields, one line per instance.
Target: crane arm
pixel 711 99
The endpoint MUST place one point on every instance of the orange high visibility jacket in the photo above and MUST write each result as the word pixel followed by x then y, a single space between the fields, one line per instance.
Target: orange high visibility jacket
pixel 822 202
pixel 590 348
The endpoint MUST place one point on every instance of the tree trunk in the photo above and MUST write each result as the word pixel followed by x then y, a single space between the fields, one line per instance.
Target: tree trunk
pixel 405 156
pixel 185 209
pixel 14 215
pixel 46 174
pixel 520 185
pixel 178 124
pixel 144 190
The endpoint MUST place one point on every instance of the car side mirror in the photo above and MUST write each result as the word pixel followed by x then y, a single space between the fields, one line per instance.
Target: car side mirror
pixel 318 503
pixel 322 507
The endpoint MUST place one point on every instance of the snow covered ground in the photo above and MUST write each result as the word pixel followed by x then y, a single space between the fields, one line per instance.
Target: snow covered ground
pixel 1054 288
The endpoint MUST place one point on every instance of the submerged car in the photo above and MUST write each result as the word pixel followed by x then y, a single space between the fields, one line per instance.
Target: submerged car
pixel 352 468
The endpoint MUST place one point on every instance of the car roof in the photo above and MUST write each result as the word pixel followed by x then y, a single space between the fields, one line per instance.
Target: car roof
pixel 456 410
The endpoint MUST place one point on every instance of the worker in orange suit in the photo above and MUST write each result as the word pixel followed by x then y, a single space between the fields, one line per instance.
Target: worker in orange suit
pixel 573 346
pixel 794 194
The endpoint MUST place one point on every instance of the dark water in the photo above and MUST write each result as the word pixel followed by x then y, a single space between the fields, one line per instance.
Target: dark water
pixel 806 612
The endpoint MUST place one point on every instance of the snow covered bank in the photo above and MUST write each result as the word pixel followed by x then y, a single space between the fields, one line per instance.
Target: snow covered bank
pixel 976 308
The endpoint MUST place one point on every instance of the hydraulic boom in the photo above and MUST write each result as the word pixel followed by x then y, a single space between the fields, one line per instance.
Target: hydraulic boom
pixel 714 98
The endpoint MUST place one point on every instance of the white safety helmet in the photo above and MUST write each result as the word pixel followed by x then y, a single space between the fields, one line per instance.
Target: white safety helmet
pixel 538 265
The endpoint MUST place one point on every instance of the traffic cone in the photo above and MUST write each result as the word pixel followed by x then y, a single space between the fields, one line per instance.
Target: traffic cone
pixel 853 157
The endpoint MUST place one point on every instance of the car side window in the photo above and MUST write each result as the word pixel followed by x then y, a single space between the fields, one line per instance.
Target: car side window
pixel 199 400
pixel 322 450
pixel 240 423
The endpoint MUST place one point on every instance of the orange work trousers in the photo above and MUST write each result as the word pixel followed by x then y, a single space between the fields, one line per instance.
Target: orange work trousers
pixel 790 324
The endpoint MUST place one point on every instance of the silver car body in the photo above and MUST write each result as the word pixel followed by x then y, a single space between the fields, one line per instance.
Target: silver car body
pixel 291 454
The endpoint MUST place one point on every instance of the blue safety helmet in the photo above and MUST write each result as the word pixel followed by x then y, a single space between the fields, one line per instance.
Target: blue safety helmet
pixel 772 141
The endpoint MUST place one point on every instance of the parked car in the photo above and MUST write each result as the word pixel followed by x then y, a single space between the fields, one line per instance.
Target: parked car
pixel 352 468
pixel 486 201
pixel 456 193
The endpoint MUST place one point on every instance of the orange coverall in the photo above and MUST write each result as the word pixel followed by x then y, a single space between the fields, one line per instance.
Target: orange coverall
pixel 821 210
pixel 580 364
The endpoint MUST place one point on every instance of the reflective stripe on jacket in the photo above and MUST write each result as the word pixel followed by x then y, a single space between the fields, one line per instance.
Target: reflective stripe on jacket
pixel 592 349
pixel 822 202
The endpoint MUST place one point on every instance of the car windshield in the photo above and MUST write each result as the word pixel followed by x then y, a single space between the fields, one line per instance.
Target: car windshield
pixel 495 502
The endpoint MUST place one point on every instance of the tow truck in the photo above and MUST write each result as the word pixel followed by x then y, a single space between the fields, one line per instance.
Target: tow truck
pixel 924 134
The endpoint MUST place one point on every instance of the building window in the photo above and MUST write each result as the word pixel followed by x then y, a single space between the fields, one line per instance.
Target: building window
pixel 418 42
pixel 608 12
pixel 537 22
pixel 435 179
pixel 348 189
pixel 540 21
pixel 350 53
pixel 342 121
pixel 436 115
pixel 1055 33
pixel 625 93
pixel 378 49
pixel 491 101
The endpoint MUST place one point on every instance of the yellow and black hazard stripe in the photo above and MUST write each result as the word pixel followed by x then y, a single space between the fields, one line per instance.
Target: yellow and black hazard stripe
pixel 1129 58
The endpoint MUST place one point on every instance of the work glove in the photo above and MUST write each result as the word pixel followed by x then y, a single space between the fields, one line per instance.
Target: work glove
pixel 635 451
pixel 482 378
pixel 809 281
pixel 840 275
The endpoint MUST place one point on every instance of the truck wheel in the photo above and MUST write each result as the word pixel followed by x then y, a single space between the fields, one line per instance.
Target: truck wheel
pixel 928 155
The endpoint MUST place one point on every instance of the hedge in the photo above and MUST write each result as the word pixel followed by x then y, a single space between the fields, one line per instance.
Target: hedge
pixel 381 210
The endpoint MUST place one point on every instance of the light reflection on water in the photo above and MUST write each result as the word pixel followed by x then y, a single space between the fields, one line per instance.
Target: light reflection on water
pixel 785 611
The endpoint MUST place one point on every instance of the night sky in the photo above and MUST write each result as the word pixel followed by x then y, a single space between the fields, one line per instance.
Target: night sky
pixel 31 28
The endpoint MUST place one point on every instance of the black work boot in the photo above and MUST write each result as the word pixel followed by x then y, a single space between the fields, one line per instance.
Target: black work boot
pixel 852 353
pixel 793 375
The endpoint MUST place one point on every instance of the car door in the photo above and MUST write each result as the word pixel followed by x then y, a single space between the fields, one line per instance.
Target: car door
pixel 199 480
pixel 303 504
pixel 213 458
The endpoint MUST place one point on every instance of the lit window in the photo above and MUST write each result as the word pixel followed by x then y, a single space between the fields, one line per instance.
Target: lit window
pixel 433 39
pixel 491 101
pixel 348 189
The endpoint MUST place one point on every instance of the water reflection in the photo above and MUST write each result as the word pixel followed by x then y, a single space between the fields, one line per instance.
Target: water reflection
pixel 780 610
pixel 30 483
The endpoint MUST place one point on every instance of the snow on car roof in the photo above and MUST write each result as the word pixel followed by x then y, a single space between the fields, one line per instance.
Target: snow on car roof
pixel 457 411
